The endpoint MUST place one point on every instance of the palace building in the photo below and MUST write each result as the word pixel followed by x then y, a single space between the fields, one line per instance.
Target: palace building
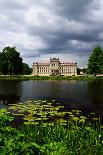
pixel 54 67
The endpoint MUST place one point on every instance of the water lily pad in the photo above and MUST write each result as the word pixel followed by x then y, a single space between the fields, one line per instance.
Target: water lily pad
pixel 95 119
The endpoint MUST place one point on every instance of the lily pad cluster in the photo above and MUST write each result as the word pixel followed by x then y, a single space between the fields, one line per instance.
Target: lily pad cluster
pixel 46 113
pixel 48 129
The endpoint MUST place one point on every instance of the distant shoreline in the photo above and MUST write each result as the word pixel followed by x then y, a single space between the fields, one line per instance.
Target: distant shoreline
pixel 30 77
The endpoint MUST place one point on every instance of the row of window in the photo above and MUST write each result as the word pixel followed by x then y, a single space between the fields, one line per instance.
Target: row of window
pixel 54 65
pixel 43 68
pixel 43 71
pixel 67 68
pixel 62 71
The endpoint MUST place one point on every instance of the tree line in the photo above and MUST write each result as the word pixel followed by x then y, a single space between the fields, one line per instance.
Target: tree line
pixel 11 63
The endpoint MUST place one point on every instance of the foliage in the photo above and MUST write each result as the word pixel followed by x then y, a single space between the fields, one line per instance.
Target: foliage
pixel 30 77
pixel 10 61
pixel 84 70
pixel 4 117
pixel 26 69
pixel 59 136
pixel 95 64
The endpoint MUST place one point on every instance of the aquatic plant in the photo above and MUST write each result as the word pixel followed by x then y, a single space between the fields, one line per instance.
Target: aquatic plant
pixel 45 130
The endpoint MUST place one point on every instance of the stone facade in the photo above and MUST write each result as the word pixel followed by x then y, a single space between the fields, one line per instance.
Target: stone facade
pixel 54 67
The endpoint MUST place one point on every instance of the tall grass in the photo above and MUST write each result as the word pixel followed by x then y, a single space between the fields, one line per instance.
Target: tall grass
pixel 55 136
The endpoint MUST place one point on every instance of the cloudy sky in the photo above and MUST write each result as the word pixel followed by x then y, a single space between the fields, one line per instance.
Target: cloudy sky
pixel 41 29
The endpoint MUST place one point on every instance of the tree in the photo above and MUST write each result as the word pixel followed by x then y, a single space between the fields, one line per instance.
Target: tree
pixel 0 62
pixel 85 70
pixel 3 64
pixel 78 71
pixel 101 63
pixel 26 69
pixel 95 64
pixel 11 62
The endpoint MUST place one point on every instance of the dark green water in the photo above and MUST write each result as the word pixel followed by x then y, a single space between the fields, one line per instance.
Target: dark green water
pixel 84 95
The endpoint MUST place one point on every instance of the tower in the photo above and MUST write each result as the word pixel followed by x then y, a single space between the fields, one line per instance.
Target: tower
pixel 54 66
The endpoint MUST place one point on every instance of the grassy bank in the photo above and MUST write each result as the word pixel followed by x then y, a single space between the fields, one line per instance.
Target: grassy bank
pixel 45 129
pixel 26 77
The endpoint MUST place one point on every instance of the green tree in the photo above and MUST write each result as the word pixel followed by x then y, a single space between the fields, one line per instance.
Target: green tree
pixel 11 62
pixel 3 64
pixel 95 64
pixel 78 71
pixel 0 63
pixel 101 63
pixel 26 69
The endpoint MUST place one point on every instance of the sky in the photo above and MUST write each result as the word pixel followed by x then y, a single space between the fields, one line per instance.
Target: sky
pixel 40 29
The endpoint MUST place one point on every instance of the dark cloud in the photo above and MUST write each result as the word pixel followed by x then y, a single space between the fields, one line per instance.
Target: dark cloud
pixel 74 9
pixel 57 27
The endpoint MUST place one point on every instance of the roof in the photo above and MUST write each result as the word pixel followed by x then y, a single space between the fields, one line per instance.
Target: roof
pixel 68 63
pixel 48 63
pixel 42 63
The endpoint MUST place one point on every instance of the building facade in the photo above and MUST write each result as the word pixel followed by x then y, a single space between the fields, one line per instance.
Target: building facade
pixel 54 67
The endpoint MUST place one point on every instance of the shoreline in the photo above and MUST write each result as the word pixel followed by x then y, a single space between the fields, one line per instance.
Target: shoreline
pixel 30 77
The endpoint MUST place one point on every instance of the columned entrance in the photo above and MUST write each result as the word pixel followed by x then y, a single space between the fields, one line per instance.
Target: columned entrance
pixel 55 72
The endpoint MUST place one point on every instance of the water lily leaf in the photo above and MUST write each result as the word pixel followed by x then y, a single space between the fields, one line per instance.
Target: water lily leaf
pixel 83 117
pixel 75 119
pixel 95 119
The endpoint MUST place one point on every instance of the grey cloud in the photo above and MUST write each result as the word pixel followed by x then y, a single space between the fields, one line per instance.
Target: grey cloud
pixel 12 5
pixel 74 9
pixel 61 26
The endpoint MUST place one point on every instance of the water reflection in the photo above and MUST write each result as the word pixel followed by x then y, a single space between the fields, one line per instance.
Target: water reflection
pixel 9 99
pixel 10 92
pixel 48 89
pixel 73 93
pixel 95 91
pixel 83 95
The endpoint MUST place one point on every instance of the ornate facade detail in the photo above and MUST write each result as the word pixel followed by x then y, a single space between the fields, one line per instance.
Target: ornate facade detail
pixel 54 67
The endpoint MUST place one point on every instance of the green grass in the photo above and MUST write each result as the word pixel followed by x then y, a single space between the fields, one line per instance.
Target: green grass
pixel 26 77
pixel 54 135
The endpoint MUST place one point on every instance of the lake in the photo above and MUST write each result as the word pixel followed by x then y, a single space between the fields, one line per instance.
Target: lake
pixel 84 95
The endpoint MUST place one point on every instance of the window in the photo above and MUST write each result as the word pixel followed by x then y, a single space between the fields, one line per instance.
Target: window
pixel 53 64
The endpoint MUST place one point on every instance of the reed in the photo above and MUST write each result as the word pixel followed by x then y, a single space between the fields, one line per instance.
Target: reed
pixel 42 129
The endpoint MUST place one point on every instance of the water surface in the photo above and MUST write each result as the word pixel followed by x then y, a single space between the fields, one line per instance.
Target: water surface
pixel 84 95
